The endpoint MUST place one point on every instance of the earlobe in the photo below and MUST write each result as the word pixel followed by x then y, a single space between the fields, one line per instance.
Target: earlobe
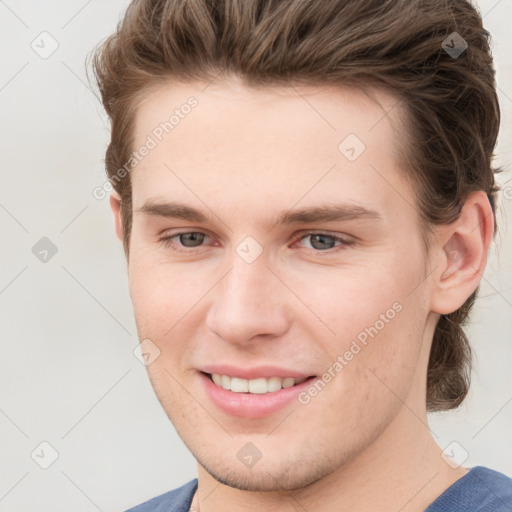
pixel 115 205
pixel 463 247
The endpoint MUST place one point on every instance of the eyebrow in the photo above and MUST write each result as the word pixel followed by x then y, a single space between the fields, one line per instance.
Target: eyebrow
pixel 324 213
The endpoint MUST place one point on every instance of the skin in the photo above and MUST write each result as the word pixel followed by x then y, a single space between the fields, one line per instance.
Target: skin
pixel 244 155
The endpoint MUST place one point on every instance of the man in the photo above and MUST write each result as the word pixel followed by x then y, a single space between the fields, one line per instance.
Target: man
pixel 305 196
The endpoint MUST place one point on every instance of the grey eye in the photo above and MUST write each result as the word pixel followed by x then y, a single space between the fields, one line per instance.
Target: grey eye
pixel 195 239
pixel 321 241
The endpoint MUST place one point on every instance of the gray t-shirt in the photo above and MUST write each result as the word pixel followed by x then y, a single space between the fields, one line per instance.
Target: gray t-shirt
pixel 479 490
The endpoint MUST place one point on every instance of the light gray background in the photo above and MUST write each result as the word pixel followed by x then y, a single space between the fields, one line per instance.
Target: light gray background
pixel 68 373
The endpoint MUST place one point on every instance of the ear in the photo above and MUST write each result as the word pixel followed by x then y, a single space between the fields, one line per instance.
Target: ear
pixel 461 254
pixel 115 205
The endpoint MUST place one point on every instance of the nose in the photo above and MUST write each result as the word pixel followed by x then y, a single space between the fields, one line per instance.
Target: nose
pixel 250 302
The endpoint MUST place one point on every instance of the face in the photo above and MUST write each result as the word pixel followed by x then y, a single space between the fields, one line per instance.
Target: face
pixel 276 250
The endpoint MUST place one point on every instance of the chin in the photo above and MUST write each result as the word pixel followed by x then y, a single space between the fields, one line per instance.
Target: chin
pixel 261 481
pixel 269 476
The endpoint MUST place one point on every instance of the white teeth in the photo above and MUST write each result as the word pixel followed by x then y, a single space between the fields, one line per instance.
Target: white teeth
pixel 239 385
pixel 274 384
pixel 260 386
pixel 225 382
pixel 288 382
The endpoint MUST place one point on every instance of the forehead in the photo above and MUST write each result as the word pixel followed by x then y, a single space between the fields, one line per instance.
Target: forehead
pixel 260 146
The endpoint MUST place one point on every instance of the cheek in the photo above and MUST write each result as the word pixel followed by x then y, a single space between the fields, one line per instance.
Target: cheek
pixel 162 294
pixel 379 361
pixel 377 314
pixel 361 301
pixel 370 381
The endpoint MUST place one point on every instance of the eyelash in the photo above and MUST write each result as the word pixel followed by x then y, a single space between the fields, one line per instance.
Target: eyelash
pixel 166 242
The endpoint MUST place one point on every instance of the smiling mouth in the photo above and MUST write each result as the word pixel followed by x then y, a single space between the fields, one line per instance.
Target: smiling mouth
pixel 259 386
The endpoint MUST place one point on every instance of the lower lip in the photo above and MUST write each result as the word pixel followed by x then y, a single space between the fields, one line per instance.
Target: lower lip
pixel 251 405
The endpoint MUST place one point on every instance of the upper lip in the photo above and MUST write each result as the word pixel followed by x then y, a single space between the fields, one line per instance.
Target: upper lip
pixel 255 372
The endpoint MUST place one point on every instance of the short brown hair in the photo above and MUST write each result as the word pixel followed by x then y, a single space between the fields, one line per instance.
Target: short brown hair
pixel 450 101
